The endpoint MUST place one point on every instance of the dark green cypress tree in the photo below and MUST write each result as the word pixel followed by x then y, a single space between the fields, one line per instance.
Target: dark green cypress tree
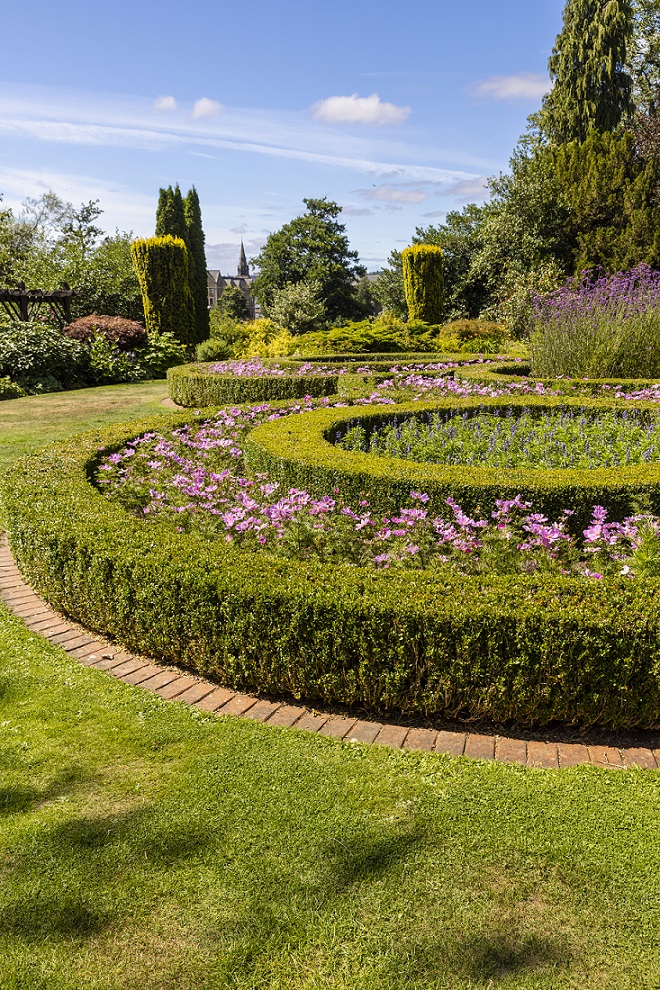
pixel 592 87
pixel 197 264
pixel 164 212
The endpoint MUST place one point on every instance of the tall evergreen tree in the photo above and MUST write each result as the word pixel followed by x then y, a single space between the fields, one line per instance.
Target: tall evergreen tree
pixel 170 215
pixel 197 264
pixel 592 85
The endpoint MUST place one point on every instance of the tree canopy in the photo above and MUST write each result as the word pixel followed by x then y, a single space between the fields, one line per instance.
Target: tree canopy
pixel 312 247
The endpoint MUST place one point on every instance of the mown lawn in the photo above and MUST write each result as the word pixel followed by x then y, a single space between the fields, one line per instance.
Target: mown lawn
pixel 145 845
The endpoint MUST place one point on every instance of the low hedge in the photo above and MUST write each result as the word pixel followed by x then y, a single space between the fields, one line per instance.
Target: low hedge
pixel 507 372
pixel 192 385
pixel 384 362
pixel 533 650
pixel 299 452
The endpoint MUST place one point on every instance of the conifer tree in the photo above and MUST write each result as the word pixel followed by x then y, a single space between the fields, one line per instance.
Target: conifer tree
pixel 197 264
pixel 592 86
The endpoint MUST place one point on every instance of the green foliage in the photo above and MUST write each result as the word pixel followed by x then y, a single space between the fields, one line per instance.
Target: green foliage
pixel 532 649
pixel 10 390
pixel 299 307
pixel 233 304
pixel 39 358
pixel 161 264
pixel 311 247
pixel 472 336
pixel 197 276
pixel 298 453
pixel 197 386
pixel 383 334
pixel 170 214
pixel 592 86
pixel 388 287
pixel 213 349
pixel 423 282
pixel 160 352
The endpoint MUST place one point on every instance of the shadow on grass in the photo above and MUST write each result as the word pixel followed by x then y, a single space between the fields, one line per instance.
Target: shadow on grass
pixel 18 797
pixel 68 883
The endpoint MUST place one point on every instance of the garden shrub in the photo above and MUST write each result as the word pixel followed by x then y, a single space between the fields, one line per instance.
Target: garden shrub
pixel 10 390
pixel 196 385
pixel 161 264
pixel 213 349
pixel 507 372
pixel 299 452
pixel 528 649
pixel 599 327
pixel 127 335
pixel 39 358
pixel 423 281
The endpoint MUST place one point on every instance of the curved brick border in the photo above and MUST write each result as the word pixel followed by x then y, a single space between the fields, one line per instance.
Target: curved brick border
pixel 171 684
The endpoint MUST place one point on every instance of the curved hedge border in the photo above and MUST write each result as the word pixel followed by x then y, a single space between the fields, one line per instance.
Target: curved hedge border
pixel 508 372
pixel 299 453
pixel 190 385
pixel 530 649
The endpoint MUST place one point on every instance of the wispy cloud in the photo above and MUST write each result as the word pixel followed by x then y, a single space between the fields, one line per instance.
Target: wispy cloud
pixel 80 118
pixel 206 108
pixel 391 194
pixel 523 86
pixel 165 103
pixel 358 211
pixel 470 189
pixel 369 110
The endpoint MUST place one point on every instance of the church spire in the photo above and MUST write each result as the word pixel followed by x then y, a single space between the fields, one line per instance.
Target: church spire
pixel 243 268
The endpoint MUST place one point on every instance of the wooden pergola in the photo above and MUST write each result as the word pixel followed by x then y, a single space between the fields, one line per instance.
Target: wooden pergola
pixel 24 304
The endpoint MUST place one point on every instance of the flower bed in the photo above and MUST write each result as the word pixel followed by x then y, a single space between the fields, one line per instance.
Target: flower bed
pixel 301 453
pixel 215 383
pixel 530 648
pixel 517 376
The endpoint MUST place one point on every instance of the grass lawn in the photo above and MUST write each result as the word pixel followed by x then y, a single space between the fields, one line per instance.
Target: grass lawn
pixel 146 845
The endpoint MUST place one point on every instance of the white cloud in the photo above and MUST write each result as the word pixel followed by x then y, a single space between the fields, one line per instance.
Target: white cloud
pixel 78 118
pixel 390 194
pixel 206 108
pixel 241 229
pixel 358 211
pixel 359 110
pixel 165 103
pixel 469 189
pixel 523 86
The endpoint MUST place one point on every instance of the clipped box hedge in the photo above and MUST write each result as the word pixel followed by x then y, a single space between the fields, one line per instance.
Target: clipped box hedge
pixel 508 372
pixel 192 385
pixel 299 452
pixel 531 650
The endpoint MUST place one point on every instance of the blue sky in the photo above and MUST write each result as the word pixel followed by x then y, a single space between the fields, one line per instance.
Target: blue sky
pixel 396 111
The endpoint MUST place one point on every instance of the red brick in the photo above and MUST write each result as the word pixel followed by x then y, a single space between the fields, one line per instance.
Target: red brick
pixel 238 705
pixel 312 722
pixel 159 680
pixel 108 659
pixel 18 595
pixel 196 693
pixel 141 675
pixel 287 715
pixel 392 735
pixel 572 754
pixel 93 649
pixel 127 667
pixel 480 747
pixel 175 687
pixel 61 639
pixel 423 739
pixel 637 757
pixel 337 727
pixel 262 711
pixel 511 750
pixel 78 641
pixel 452 743
pixel 542 754
pixel 215 700
pixel 605 756
pixel 51 626
pixel 364 731
pixel 32 609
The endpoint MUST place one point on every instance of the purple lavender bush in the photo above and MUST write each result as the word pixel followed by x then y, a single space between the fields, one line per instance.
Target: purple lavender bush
pixel 599 326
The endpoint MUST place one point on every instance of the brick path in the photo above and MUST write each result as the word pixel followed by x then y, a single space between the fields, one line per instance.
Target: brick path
pixel 171 684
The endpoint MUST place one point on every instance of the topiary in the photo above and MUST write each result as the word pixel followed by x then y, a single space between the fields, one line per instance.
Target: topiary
pixel 161 264
pixel 127 335
pixel 423 281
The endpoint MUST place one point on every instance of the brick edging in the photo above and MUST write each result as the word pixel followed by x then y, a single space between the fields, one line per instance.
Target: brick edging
pixel 173 685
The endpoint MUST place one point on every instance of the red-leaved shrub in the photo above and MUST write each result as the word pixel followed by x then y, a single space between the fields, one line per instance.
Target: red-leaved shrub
pixel 126 334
